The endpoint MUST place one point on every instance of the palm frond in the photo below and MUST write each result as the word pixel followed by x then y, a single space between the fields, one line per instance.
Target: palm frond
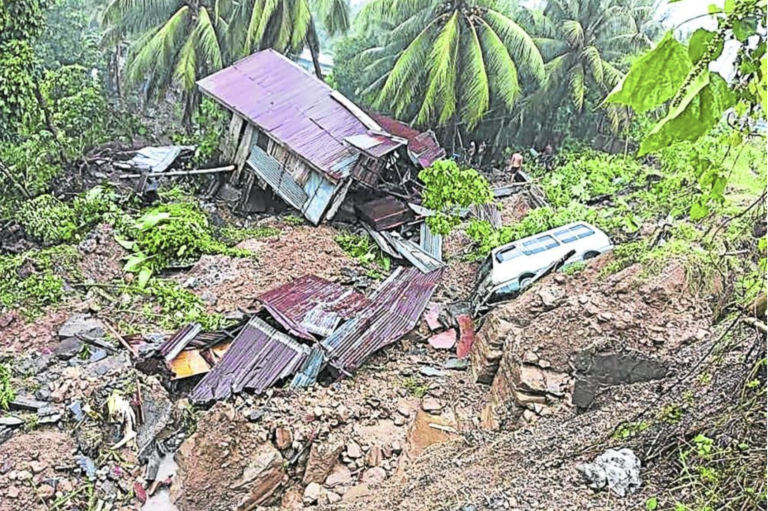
pixel 576 86
pixel 398 90
pixel 261 14
pixel 611 75
pixel 519 44
pixel 501 67
pixel 301 17
pixel 592 60
pixel 153 55
pixel 474 84
pixel 334 15
pixel 441 91
pixel 549 47
pixel 573 32
pixel 186 67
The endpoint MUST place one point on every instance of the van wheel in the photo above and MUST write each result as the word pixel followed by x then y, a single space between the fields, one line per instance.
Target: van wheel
pixel 526 280
pixel 590 255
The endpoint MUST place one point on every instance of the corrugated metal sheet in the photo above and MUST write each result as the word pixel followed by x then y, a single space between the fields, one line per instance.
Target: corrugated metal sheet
pixel 312 305
pixel 397 305
pixel 423 148
pixel 413 253
pixel 489 212
pixel 431 243
pixel 310 370
pixel 173 346
pixel 293 106
pixel 258 358
pixel 270 170
pixel 320 192
pixel 157 159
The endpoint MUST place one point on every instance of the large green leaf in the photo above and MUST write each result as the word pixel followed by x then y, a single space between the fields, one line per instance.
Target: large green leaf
pixel 699 110
pixel 655 77
pixel 699 42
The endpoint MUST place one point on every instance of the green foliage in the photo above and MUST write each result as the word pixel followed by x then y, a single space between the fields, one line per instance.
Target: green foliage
pixel 17 82
pixel 415 387
pixel 172 233
pixel 180 306
pixel 448 189
pixel 7 392
pixel 52 221
pixel 347 75
pixel 574 268
pixel 71 36
pixel 365 252
pixel 22 19
pixel 292 220
pixel 652 504
pixel 630 429
pixel 35 279
pixel 413 70
pixel 208 126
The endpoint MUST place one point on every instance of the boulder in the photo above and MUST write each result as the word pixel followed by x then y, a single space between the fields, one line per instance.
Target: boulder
pixel 322 458
pixel 615 470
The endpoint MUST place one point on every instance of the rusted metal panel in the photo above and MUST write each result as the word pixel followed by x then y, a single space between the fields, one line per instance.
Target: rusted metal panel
pixel 423 148
pixel 310 370
pixel 173 346
pixel 488 212
pixel 271 171
pixel 292 106
pixel 188 363
pixel 259 357
pixel 395 310
pixel 312 305
pixel 385 213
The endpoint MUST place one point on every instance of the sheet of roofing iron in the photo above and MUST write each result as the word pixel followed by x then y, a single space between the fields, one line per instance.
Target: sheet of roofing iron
pixel 489 212
pixel 307 375
pixel 413 253
pixel 431 243
pixel 173 346
pixel 382 242
pixel 397 305
pixel 156 159
pixel 312 305
pixel 258 358
pixel 293 106
pixel 423 147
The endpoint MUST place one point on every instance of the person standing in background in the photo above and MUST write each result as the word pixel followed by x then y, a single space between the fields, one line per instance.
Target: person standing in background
pixel 515 164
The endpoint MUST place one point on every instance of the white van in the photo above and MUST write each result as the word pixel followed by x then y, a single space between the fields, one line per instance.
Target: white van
pixel 512 267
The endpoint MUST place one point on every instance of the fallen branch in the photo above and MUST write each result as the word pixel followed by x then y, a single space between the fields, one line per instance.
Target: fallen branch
pixel 173 173
pixel 120 338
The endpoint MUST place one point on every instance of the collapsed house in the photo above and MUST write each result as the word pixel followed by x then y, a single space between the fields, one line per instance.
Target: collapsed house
pixel 293 134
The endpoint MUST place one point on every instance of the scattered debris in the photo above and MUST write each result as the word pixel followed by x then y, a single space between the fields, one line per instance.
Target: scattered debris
pixel 444 340
pixel 616 470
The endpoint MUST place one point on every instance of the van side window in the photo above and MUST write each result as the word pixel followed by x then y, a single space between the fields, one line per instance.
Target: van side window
pixel 540 244
pixel 507 254
pixel 574 233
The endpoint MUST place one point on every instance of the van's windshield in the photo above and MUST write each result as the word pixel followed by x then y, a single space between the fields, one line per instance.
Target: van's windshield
pixel 539 244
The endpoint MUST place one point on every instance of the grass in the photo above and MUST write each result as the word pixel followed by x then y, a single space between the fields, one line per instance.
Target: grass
pixel 748 178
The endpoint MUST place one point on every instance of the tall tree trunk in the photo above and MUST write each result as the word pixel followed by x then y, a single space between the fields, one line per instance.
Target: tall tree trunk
pixel 314 49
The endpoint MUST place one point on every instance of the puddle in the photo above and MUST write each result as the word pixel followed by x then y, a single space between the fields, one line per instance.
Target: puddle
pixel 161 501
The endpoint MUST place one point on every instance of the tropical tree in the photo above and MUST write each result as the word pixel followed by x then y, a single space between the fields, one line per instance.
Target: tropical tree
pixel 179 41
pixel 579 40
pixel 447 63
pixel 648 18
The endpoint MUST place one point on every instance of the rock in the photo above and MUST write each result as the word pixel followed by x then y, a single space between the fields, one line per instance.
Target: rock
pixel 322 458
pixel 431 405
pixel 374 456
pixel 374 476
pixel 360 490
pixel 83 325
pixel 312 493
pixel 529 416
pixel 333 497
pixel 456 364
pixel 64 486
pixel 551 297
pixel 399 421
pixel 537 380
pixel 283 438
pixel 262 476
pixel 11 421
pixel 604 317
pixel 255 415
pixel 523 399
pixel 340 476
pixel 353 451
pixel 13 492
pixel 397 448
pixel 38 466
pixel 292 499
pixel 404 411
pixel 45 491
pixel 432 372
pixel 68 348
pixel 617 470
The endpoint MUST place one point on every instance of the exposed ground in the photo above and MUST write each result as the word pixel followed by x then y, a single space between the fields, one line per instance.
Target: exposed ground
pixel 406 431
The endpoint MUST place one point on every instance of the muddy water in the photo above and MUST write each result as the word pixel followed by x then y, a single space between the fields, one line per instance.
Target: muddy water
pixel 161 501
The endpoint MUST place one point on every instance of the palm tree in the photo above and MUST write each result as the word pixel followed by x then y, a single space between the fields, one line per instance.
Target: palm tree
pixel 445 62
pixel 647 22
pixel 183 40
pixel 579 39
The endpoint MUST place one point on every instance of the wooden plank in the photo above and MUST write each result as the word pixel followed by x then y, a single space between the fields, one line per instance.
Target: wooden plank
pixel 229 143
pixel 243 150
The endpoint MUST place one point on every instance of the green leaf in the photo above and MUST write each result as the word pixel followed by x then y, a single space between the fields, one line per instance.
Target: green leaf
pixel 135 261
pixel 729 6
pixel 743 29
pixel 655 77
pixel 762 244
pixel 652 504
pixel 698 44
pixel 700 109
pixel 699 209
pixel 126 244
pixel 144 275
pixel 151 219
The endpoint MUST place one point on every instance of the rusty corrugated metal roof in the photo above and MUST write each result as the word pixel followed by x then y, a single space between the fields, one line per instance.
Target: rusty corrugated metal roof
pixel 396 307
pixel 312 305
pixel 292 106
pixel 422 145
pixel 258 358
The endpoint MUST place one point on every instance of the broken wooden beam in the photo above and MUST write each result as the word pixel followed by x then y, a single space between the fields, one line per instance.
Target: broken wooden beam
pixel 174 173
